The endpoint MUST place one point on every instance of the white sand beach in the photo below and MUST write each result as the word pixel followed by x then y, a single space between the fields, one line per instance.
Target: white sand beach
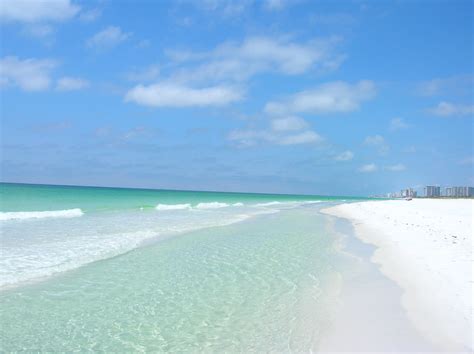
pixel 426 247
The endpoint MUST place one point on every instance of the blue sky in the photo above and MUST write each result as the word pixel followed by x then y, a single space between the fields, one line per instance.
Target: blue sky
pixel 318 97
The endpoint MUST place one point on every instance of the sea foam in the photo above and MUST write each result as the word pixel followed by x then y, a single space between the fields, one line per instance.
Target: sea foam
pixel 22 215
pixel 211 205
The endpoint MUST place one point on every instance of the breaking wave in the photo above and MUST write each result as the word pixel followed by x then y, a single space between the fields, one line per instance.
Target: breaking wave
pixel 22 215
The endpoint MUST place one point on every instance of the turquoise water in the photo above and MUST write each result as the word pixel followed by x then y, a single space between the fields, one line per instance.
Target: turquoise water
pixel 29 197
pixel 143 270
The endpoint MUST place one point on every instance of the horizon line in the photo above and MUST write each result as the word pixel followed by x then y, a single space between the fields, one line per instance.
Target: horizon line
pixel 183 190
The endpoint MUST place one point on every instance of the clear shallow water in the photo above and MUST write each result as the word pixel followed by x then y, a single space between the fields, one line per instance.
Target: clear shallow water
pixel 50 229
pixel 215 272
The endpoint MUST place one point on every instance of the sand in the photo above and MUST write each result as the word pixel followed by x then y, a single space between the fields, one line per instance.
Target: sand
pixel 426 247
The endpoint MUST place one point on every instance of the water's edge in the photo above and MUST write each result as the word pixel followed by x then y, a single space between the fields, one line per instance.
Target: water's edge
pixel 370 316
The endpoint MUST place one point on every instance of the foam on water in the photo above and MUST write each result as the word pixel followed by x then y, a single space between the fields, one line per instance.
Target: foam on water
pixel 39 261
pixel 211 205
pixel 258 286
pixel 173 206
pixel 43 247
pixel 22 215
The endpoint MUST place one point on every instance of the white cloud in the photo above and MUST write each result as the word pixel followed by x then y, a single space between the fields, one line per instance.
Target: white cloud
pixel 282 131
pixel 377 142
pixel 396 168
pixel 398 124
pixel 447 109
pixel 306 137
pixel 332 97
pixel 232 61
pixel 28 74
pixel 172 95
pixel 107 38
pixel 345 156
pixel 30 11
pixel 71 84
pixel 288 123
pixel 371 167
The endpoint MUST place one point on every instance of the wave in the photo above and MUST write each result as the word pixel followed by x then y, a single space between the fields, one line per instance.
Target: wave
pixel 173 206
pixel 22 215
pixel 51 253
pixel 211 205
pixel 60 256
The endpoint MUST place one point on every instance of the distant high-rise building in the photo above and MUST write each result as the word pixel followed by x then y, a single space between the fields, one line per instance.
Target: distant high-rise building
pixel 432 191
pixel 460 192
pixel 408 193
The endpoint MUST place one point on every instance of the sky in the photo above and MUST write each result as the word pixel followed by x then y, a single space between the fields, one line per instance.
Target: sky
pixel 279 96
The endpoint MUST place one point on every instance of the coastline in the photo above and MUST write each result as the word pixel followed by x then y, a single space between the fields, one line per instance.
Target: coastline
pixel 425 246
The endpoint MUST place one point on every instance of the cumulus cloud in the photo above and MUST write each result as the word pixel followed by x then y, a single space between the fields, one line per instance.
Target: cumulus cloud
pixel 396 168
pixel 173 95
pixel 27 74
pixel 30 11
pixel 282 131
pixel 332 97
pixel 239 61
pixel 107 38
pixel 377 142
pixel 447 109
pixel 226 67
pixel 398 124
pixel 371 167
pixel 305 137
pixel 344 156
pixel 288 123
pixel 71 84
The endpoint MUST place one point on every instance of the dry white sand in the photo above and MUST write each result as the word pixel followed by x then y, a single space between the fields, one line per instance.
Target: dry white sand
pixel 426 246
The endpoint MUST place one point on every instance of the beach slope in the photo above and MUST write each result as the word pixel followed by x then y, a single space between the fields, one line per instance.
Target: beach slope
pixel 426 246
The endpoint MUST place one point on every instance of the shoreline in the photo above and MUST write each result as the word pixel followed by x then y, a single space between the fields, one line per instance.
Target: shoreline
pixel 368 316
pixel 425 247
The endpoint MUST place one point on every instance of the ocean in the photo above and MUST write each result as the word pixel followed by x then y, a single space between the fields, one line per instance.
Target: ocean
pixel 115 269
